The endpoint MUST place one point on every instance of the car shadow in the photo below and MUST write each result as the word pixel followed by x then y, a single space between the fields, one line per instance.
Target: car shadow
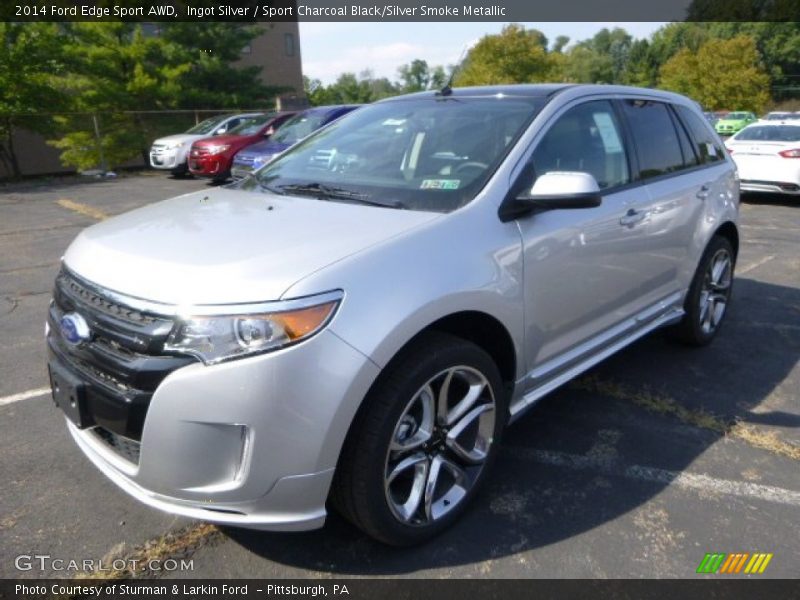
pixel 765 199
pixel 527 503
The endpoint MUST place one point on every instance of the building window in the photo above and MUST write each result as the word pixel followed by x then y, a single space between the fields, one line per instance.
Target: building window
pixel 288 44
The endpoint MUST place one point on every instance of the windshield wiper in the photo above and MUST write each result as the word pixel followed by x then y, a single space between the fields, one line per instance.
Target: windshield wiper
pixel 326 192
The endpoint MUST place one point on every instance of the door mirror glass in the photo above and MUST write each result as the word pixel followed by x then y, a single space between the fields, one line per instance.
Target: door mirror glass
pixel 220 131
pixel 269 131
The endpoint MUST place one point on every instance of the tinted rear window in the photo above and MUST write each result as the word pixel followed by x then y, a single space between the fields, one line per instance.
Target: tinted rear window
pixel 657 145
pixel 770 133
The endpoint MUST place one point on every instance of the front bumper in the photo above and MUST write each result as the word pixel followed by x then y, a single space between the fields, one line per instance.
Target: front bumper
pixel 242 170
pixel 251 442
pixel 161 158
pixel 208 166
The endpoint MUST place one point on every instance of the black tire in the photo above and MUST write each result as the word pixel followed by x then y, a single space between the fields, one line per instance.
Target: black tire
pixel 180 171
pixel 363 490
pixel 695 329
pixel 220 179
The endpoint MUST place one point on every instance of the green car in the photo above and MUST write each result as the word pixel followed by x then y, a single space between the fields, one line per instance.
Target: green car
pixel 734 122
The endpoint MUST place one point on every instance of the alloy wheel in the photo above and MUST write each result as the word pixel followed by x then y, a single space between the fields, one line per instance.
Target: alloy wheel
pixel 715 292
pixel 439 445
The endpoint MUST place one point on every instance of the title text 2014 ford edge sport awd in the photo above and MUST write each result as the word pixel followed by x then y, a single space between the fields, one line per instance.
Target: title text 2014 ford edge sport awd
pixel 360 319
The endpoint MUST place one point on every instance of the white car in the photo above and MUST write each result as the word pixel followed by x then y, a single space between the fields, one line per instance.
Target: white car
pixel 767 156
pixel 171 152
pixel 777 116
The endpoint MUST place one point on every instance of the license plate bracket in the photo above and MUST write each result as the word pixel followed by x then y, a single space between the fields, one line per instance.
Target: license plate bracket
pixel 69 394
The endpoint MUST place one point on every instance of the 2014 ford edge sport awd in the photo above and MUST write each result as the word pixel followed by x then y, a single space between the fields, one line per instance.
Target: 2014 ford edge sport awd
pixel 358 321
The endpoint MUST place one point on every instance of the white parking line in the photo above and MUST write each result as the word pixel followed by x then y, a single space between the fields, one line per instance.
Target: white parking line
pixel 755 265
pixel 24 396
pixel 691 481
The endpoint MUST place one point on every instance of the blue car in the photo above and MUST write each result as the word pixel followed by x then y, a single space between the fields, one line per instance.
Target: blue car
pixel 292 131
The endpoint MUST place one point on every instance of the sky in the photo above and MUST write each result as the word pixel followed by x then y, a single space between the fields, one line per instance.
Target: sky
pixel 329 49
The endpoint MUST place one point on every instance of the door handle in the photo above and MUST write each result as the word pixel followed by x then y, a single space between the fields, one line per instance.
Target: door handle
pixel 632 217
pixel 704 190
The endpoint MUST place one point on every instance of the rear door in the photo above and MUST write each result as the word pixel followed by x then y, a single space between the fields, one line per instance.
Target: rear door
pixel 666 217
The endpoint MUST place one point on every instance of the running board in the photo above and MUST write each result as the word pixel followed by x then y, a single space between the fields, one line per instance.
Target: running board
pixel 529 399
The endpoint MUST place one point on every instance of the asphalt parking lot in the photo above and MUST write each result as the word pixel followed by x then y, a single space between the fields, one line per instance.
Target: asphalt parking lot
pixel 656 457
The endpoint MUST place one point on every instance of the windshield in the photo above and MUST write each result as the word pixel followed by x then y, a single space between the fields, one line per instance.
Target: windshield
pixel 778 116
pixel 431 153
pixel 737 116
pixel 770 133
pixel 251 125
pixel 298 127
pixel 207 126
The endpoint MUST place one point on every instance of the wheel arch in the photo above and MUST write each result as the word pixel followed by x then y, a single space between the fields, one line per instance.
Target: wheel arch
pixel 478 327
pixel 729 231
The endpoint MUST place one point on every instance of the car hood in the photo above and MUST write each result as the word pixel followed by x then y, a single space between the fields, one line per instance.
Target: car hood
pixel 265 148
pixel 223 139
pixel 730 121
pixel 179 137
pixel 228 246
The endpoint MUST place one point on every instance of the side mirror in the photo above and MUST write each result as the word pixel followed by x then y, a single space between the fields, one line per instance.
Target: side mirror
pixel 269 131
pixel 555 190
pixel 220 131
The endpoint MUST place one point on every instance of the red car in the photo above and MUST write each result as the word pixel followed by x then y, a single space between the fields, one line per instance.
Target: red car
pixel 212 157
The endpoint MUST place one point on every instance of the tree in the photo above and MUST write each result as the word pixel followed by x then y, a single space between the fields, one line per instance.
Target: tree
pixel 600 59
pixel 515 55
pixel 642 68
pixel 113 71
pixel 777 43
pixel 214 80
pixel 29 59
pixel 415 76
pixel 722 74
pixel 560 43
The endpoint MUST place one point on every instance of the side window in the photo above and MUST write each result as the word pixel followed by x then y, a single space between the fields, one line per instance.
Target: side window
pixel 657 145
pixel 708 147
pixel 586 138
pixel 690 158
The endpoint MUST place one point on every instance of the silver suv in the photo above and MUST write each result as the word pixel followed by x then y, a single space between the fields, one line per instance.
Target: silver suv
pixel 360 319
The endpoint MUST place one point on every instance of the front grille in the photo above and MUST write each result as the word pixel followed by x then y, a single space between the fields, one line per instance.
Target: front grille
pixel 124 447
pixel 123 361
pixel 87 296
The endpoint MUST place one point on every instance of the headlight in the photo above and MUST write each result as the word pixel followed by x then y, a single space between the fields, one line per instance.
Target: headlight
pixel 216 334
pixel 175 145
pixel 217 149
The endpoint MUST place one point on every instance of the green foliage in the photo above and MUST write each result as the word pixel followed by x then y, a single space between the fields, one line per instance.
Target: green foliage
pixel 415 76
pixel 515 55
pixel 600 59
pixel 722 74
pixel 29 60
pixel 212 80
pixel 112 69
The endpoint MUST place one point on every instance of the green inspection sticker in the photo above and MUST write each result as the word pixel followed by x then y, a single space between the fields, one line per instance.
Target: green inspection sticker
pixel 440 184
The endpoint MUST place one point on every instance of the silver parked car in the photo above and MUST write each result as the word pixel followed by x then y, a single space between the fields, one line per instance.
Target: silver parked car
pixel 360 319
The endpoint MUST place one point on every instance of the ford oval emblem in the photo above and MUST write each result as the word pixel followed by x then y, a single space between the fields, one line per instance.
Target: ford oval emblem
pixel 74 329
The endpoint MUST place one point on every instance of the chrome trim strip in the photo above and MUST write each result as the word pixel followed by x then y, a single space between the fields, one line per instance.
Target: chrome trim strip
pixel 206 310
